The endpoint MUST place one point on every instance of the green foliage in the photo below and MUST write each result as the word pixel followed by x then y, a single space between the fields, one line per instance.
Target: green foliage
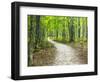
pixel 64 29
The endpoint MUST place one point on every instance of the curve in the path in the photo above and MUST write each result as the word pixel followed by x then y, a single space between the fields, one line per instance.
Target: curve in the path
pixel 65 55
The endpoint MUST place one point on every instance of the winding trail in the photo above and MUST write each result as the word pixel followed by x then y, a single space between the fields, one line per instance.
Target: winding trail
pixel 65 55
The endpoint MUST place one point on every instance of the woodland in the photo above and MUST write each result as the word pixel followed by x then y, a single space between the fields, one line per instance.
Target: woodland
pixel 47 33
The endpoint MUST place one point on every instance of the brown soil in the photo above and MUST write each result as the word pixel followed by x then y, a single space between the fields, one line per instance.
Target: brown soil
pixel 44 57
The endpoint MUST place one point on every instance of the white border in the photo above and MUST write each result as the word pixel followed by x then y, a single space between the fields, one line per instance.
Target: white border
pixel 24 70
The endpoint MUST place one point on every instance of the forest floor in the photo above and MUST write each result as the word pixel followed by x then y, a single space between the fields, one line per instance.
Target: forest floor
pixel 69 54
pixel 61 54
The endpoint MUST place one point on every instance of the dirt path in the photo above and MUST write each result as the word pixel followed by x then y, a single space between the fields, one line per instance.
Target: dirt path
pixel 65 54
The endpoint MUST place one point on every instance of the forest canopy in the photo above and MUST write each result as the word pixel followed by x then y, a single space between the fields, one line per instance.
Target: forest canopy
pixel 64 29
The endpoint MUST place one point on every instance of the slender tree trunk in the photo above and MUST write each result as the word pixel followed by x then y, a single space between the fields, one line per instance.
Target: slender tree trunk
pixel 37 38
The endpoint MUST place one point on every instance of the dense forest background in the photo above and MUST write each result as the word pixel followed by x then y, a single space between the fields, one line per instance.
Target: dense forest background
pixel 63 29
